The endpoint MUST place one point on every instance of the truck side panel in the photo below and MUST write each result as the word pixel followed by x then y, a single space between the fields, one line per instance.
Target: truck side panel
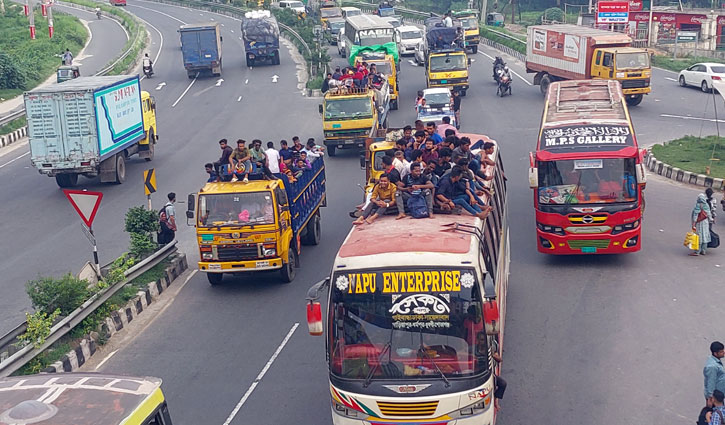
pixel 200 48
pixel 307 194
pixel 119 117
pixel 61 128
pixel 557 53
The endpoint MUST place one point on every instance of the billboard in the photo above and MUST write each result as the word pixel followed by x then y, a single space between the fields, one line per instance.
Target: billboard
pixel 613 12
pixel 119 116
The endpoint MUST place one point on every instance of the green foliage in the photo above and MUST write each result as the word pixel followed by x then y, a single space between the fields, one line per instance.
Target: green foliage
pixel 141 245
pixel 39 324
pixel 118 268
pixel 48 294
pixel 315 83
pixel 677 65
pixel 45 359
pixel 141 220
pixel 491 35
pixel 152 275
pixel 25 63
pixel 318 57
pixel 551 14
pixel 13 125
pixel 693 154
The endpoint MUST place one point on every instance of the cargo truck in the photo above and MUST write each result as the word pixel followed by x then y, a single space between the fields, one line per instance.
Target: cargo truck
pixel 469 21
pixel 201 48
pixel 446 62
pixel 89 126
pixel 572 52
pixel 258 225
pixel 261 37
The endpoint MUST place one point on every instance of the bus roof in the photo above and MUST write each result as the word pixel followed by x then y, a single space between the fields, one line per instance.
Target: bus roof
pixel 361 22
pixel 77 399
pixel 581 117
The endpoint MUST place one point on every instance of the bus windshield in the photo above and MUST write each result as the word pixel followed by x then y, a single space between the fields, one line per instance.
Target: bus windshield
pixel 587 181
pixel 412 324
pixel 445 63
pixel 236 209
pixel 348 108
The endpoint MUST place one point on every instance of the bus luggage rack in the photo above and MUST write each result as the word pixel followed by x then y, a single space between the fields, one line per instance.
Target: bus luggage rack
pixel 580 98
pixel 344 91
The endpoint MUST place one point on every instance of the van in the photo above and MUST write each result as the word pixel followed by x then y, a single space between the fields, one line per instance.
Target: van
pixel 407 37
pixel 350 11
pixel 295 5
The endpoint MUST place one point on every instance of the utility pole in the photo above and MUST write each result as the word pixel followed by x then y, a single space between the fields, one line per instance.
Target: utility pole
pixel 513 9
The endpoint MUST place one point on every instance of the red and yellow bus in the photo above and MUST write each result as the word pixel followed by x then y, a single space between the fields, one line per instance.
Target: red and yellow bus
pixel 587 172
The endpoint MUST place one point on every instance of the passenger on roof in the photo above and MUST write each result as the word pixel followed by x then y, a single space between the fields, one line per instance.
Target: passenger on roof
pixel 382 198
pixel 430 128
pixel 445 127
pixel 313 150
pixel 440 43
pixel 240 162
pixel 451 192
pixel 408 135
pixel 444 161
pixel 401 164
pixel 463 151
pixel 213 176
pixel 285 167
pixel 297 147
pixel 487 156
pixel 224 158
pixel 414 183
pixel 429 151
pixel 303 158
pixel 417 156
pixel 419 126
pixel 430 173
pixel 259 158
pixel 390 170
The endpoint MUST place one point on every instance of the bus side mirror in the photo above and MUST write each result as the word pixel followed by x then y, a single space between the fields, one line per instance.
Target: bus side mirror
pixel 314 308
pixel 491 317
pixel 319 108
pixel 641 174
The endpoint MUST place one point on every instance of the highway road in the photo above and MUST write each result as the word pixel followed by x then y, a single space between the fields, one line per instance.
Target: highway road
pixel 598 340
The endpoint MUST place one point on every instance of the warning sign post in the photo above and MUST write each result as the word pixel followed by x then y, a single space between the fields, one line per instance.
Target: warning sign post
pixel 86 205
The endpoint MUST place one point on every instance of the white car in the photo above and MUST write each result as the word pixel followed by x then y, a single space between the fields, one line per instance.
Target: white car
pixel 407 37
pixel 702 75
pixel 295 5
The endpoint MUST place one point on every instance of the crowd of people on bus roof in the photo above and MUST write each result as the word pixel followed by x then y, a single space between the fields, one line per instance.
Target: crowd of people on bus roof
pixel 237 164
pixel 362 75
pixel 436 164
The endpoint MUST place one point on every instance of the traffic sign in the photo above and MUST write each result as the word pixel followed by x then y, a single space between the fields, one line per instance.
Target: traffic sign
pixel 86 203
pixel 686 36
pixel 613 12
pixel 149 181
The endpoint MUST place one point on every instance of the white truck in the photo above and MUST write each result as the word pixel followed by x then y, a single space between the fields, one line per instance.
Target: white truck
pixel 89 126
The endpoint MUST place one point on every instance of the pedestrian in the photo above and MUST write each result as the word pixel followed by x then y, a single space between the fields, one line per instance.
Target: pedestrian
pixel 457 107
pixel 67 57
pixel 705 414
pixel 713 371
pixel 272 158
pixel 701 219
pixel 326 83
pixel 718 410
pixel 167 221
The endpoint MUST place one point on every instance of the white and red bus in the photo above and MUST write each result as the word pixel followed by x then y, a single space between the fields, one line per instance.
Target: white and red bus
pixel 415 310
pixel 587 172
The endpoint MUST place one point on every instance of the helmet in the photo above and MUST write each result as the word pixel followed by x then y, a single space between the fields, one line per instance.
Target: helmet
pixel 506 68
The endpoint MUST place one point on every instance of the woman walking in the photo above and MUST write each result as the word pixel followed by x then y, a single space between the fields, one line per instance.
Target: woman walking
pixel 701 218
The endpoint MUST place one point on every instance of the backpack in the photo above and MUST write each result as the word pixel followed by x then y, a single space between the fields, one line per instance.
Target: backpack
pixel 417 206
pixel 714 240
pixel 164 223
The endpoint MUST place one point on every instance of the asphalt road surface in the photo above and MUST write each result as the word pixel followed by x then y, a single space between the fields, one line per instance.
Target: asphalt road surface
pixel 597 340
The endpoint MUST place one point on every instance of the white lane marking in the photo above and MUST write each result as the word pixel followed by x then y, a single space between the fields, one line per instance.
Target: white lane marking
pixel 275 77
pixel 161 85
pixel 232 31
pixel 239 99
pixel 108 357
pixel 691 118
pixel 13 160
pixel 219 82
pixel 261 375
pixel 671 79
pixel 187 89
pixel 514 72
pixel 246 81
pixel 161 13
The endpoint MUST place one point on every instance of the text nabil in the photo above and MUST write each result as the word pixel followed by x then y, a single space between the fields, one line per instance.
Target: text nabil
pixel 400 282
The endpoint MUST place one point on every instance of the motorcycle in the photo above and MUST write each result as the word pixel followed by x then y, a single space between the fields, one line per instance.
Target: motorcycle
pixel 148 71
pixel 498 66
pixel 504 84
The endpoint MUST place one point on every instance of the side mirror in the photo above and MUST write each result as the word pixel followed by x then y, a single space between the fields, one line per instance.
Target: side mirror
pixel 641 174
pixel 190 215
pixel 191 203
pixel 221 39
pixel 319 108
pixel 533 177
pixel 314 309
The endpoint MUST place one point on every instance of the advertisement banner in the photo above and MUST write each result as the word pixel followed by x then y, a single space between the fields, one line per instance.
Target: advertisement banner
pixel 612 12
pixel 119 116
pixel 584 137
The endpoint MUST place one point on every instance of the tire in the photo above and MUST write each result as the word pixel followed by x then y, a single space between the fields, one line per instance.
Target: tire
pixel 214 278
pixel 289 271
pixel 634 100
pixel 152 143
pixel 120 168
pixel 704 87
pixel 474 49
pixel 314 230
pixel 394 105
pixel 544 84
pixel 331 150
pixel 463 93
pixel 682 81
pixel 66 180
pixel 275 58
pixel 250 62
pixel 498 91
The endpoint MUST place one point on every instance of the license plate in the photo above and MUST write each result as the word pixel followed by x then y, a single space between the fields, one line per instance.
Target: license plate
pixel 589 250
pixel 215 266
pixel 262 264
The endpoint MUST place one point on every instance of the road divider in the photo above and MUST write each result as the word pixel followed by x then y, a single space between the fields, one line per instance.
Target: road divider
pixel 673 173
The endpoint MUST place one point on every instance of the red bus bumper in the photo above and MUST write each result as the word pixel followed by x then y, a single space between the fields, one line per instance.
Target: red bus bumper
pixel 602 243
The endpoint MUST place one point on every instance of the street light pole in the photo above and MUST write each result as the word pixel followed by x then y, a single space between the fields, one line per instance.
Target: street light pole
pixel 649 26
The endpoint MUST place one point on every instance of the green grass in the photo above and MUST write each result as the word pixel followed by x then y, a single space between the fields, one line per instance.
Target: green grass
pixel 13 125
pixel 35 59
pixel 677 65
pixel 693 154
pixel 153 274
pixel 486 32
pixel 45 359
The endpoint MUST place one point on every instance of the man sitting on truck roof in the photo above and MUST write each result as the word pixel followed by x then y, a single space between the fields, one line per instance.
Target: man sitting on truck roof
pixel 382 198
pixel 430 128
pixel 240 162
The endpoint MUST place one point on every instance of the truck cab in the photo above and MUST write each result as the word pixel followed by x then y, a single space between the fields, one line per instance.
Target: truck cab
pixel 446 62
pixel 469 21
pixel 385 64
pixel 351 115
pixel 259 225
pixel 630 66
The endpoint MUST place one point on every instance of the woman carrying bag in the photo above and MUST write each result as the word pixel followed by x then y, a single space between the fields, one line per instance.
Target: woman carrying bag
pixel 701 218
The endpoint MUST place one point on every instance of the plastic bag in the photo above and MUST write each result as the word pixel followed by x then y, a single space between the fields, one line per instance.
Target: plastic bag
pixel 692 241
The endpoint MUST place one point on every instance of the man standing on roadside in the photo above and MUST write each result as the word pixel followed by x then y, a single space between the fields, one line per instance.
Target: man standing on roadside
pixel 713 371
pixel 167 221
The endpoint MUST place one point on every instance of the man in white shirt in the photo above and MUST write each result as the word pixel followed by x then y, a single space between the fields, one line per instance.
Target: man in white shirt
pixel 401 164
pixel 272 158
pixel 448 21
pixel 313 151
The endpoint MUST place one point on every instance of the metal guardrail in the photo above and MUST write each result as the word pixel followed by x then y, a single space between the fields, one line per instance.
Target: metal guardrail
pixel 296 35
pixel 60 329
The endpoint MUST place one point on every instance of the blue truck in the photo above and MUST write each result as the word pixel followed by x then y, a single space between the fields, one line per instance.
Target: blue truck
pixel 261 37
pixel 201 48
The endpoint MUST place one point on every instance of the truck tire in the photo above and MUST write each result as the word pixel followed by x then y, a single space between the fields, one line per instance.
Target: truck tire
pixel 331 150
pixel 288 271
pixel 152 143
pixel 394 105
pixel 312 237
pixel 463 92
pixel 250 62
pixel 66 180
pixel 544 84
pixel 474 49
pixel 120 168
pixel 634 99
pixel 214 278
pixel 275 58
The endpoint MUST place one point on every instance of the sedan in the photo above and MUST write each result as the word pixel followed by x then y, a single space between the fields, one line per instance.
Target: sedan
pixel 702 75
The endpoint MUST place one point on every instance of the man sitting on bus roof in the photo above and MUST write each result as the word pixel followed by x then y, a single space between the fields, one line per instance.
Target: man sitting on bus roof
pixel 414 183
pixel 451 192
pixel 382 198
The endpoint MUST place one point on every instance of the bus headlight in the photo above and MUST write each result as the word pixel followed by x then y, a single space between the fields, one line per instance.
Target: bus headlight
pixel 551 229
pixel 474 409
pixel 625 227
pixel 344 411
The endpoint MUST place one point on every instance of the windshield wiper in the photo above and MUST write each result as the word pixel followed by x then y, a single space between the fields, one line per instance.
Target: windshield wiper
pixel 425 353
pixel 385 349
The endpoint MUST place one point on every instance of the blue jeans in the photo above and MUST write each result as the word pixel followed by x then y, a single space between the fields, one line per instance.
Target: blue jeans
pixel 462 201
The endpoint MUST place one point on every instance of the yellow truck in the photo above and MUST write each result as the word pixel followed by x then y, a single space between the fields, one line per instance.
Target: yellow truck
pixel 82 399
pixel 571 52
pixel 351 115
pixel 446 62
pixel 259 225
pixel 386 65
pixel 469 22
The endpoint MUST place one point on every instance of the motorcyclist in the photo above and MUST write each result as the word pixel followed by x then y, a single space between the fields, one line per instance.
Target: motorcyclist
pixel 148 65
pixel 498 63
pixel 504 80
pixel 98 12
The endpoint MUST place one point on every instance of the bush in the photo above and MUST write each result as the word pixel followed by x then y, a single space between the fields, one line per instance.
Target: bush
pixel 65 294
pixel 10 76
pixel 141 224
pixel 552 14
pixel 39 325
